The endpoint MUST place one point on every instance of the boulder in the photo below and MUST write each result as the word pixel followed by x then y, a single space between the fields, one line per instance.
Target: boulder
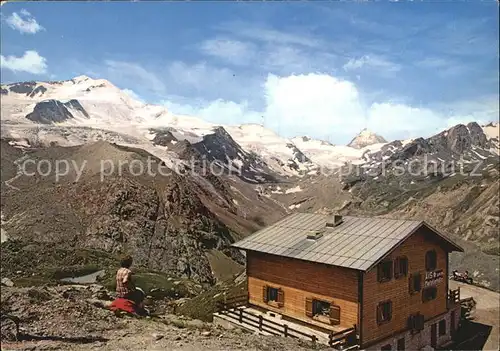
pixel 7 282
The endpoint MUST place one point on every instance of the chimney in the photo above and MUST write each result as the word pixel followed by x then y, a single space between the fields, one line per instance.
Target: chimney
pixel 334 221
pixel 314 235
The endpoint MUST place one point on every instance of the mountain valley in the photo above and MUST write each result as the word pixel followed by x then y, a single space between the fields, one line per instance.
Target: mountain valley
pixel 222 182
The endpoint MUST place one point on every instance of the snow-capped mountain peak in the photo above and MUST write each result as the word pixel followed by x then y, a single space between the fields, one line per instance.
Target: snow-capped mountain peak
pixel 84 109
pixel 81 78
pixel 366 138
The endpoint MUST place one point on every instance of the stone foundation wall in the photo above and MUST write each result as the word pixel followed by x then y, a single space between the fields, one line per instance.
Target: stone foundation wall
pixel 422 339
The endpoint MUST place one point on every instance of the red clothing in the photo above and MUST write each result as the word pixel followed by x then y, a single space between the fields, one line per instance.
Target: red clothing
pixel 123 305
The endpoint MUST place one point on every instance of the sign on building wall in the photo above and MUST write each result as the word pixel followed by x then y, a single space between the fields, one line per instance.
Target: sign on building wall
pixel 433 278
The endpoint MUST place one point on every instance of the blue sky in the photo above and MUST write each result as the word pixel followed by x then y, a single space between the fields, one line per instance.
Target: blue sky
pixel 322 69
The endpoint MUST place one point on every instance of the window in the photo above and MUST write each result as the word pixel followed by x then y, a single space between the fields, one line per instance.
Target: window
pixel 429 294
pixel 386 347
pixel 401 344
pixel 385 271
pixel 415 282
pixel 273 295
pixel 442 327
pixel 321 308
pixel 400 267
pixel 416 322
pixel 384 312
pixel 430 260
pixel 323 311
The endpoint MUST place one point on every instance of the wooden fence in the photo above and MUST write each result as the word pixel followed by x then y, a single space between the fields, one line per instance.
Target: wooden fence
pixel 454 295
pixel 344 337
pixel 229 307
pixel 232 302
pixel 267 325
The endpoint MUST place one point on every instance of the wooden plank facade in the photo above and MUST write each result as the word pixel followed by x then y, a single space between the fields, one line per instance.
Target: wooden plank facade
pixel 356 296
pixel 302 280
pixel 397 291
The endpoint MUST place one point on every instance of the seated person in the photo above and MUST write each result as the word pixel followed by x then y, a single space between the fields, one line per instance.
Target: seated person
pixel 126 290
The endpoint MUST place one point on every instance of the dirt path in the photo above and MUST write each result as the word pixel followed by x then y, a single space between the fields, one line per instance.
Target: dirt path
pixel 19 173
pixel 487 310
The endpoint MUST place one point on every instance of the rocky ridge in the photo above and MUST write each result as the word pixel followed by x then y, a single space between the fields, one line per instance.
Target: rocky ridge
pixel 263 176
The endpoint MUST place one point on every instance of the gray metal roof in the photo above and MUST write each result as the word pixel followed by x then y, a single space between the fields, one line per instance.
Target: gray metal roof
pixel 358 243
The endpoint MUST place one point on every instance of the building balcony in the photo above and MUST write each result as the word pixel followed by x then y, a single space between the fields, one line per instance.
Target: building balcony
pixel 453 298
pixel 236 312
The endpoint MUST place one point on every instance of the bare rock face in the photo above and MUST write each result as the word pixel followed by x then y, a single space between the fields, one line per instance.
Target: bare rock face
pixel 22 88
pixel 478 137
pixel 50 111
pixel 164 138
pixel 459 139
pixel 161 221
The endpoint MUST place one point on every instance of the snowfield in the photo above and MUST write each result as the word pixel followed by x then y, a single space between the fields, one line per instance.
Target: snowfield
pixel 104 112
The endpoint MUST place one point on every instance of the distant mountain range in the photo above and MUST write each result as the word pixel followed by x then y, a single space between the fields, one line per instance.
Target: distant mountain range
pixel 263 177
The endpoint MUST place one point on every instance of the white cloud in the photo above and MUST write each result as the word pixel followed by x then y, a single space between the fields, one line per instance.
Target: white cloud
pixel 312 103
pixel 400 121
pixel 233 51
pixel 316 104
pixel 269 35
pixel 288 51
pixel 218 111
pixel 292 59
pixel 372 61
pixel 278 58
pixel 30 62
pixel 24 22
pixel 433 62
pixel 199 76
pixel 319 105
pixel 136 74
pixel 133 95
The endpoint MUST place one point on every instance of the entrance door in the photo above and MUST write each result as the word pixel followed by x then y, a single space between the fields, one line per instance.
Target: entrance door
pixel 434 335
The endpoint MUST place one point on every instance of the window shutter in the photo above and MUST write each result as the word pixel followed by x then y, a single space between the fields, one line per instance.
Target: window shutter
pixel 335 314
pixel 420 322
pixel 264 293
pixel 418 284
pixel 410 284
pixel 404 261
pixel 411 322
pixel 379 272
pixel 397 263
pixel 379 314
pixel 281 297
pixel 309 307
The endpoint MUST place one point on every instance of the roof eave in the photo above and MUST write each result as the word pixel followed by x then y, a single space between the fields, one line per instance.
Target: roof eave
pixel 391 250
pixel 422 223
pixel 455 246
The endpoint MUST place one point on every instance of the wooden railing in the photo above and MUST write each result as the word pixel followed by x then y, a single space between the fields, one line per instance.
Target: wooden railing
pixel 232 302
pixel 229 307
pixel 267 325
pixel 345 337
pixel 454 295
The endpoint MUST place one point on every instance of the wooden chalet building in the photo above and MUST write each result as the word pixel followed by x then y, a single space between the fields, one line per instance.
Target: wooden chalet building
pixel 386 277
